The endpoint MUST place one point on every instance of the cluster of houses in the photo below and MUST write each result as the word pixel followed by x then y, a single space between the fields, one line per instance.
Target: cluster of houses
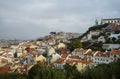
pixel 83 58
pixel 20 58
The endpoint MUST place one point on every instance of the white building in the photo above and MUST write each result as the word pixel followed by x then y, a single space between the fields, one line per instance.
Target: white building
pixel 112 20
pixel 101 39
pixel 101 57
pixel 111 46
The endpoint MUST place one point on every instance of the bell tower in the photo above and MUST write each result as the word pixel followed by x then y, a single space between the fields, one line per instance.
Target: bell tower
pixel 96 22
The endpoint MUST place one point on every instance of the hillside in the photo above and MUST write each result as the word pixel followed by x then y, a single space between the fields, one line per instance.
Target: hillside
pixel 97 27
pixel 97 37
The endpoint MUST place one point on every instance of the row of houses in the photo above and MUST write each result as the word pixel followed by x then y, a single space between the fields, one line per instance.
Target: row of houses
pixel 87 58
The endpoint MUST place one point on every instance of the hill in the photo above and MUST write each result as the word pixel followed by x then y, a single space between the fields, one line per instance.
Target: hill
pixel 97 27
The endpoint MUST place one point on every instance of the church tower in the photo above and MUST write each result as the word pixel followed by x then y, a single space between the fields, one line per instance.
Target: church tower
pixel 96 22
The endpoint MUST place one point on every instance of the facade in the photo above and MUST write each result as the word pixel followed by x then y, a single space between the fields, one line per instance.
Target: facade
pixel 112 20
pixel 101 57
pixel 111 46
pixel 101 39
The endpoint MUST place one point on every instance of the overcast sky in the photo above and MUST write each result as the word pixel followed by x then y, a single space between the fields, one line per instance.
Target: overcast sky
pixel 26 19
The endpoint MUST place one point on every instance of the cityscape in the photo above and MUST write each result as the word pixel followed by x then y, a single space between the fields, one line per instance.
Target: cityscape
pixel 36 43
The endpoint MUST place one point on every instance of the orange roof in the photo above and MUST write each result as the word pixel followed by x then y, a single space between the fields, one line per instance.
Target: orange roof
pixel 89 53
pixel 74 57
pixel 3 60
pixel 60 60
pixel 102 54
pixel 72 61
pixel 86 61
pixel 115 52
pixel 4 69
pixel 64 55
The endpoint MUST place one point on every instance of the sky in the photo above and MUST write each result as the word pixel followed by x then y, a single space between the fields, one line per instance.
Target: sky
pixel 30 19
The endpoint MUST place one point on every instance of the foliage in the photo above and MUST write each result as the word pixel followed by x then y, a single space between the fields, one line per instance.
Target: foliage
pixel 118 41
pixel 103 71
pixel 97 27
pixel 86 44
pixel 13 76
pixel 94 46
pixel 39 39
pixel 70 71
pixel 74 44
pixel 113 40
pixel 44 72
pixel 95 37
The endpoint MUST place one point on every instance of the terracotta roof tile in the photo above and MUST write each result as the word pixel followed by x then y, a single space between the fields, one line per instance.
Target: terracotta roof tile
pixel 86 61
pixel 4 69
pixel 74 57
pixel 72 61
pixel 60 60
pixel 64 55
pixel 115 52
pixel 102 54
pixel 3 60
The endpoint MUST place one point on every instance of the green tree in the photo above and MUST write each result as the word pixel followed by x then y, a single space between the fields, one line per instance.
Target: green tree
pixel 70 71
pixel 113 40
pixel 74 44
pixel 45 72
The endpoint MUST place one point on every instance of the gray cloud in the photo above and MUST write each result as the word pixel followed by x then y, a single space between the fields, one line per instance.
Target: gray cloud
pixel 33 18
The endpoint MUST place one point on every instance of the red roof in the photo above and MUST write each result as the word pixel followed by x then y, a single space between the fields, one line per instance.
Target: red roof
pixel 115 52
pixel 74 57
pixel 86 61
pixel 102 54
pixel 4 69
pixel 60 60
pixel 72 61
pixel 3 60
pixel 89 53
pixel 64 55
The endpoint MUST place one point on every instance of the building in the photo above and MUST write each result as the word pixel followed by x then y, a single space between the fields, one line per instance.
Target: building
pixel 112 20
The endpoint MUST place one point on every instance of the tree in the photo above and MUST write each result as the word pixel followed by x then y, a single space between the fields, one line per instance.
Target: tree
pixel 113 40
pixel 45 72
pixel 74 44
pixel 118 41
pixel 70 71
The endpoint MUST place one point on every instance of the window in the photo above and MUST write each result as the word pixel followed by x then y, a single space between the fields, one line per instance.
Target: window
pixel 107 60
pixel 95 58
pixel 111 21
pixel 118 21
pixel 111 58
